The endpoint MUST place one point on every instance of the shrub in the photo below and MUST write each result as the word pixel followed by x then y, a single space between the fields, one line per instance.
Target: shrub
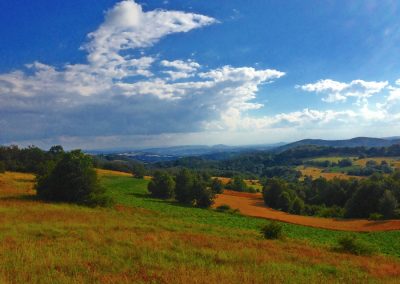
pixel 72 179
pixel 272 231
pixel 375 216
pixel 162 185
pixel 227 209
pixel 351 244
pixel 2 167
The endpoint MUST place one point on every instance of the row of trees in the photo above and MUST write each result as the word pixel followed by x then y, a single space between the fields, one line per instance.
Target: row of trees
pixel 377 196
pixel 187 187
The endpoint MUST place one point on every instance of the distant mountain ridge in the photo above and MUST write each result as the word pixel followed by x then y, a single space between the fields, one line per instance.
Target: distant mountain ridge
pixel 353 142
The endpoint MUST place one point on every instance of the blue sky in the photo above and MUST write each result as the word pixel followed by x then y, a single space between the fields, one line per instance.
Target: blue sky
pixel 102 73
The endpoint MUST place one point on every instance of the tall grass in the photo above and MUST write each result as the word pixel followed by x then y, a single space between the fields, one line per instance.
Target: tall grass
pixel 151 241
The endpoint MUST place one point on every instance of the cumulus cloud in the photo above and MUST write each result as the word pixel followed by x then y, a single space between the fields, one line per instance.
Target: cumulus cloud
pixel 339 91
pixel 180 69
pixel 117 93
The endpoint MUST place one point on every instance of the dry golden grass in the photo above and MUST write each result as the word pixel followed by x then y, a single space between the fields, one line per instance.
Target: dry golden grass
pixel 394 162
pixel 317 172
pixel 102 172
pixel 59 243
pixel 250 182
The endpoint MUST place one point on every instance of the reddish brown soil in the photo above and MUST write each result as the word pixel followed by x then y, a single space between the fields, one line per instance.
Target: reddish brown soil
pixel 252 204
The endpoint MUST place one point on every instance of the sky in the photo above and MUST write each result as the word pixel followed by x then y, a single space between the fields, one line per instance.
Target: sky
pixel 101 74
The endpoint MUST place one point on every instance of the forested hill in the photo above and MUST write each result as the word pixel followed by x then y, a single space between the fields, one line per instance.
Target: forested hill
pixel 258 163
pixel 354 142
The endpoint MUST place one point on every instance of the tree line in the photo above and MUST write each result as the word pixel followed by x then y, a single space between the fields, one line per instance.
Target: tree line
pixel 376 197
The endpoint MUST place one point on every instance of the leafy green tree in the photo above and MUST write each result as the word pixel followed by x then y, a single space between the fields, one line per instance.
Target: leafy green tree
pixel 162 185
pixel 297 206
pixel 184 186
pixel 203 196
pixel 138 170
pixel 237 184
pixel 72 179
pixel 272 190
pixel 217 186
pixel 285 202
pixel 366 199
pixel 388 204
pixel 2 167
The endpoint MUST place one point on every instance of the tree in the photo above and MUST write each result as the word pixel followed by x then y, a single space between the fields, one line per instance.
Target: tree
pixel 388 204
pixel 237 184
pixel 2 167
pixel 272 190
pixel 184 186
pixel 72 179
pixel 203 196
pixel 138 170
pixel 297 206
pixel 284 202
pixel 345 163
pixel 162 185
pixel 217 186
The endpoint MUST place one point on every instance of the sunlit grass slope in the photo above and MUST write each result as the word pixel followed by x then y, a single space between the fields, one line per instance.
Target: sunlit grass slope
pixel 145 240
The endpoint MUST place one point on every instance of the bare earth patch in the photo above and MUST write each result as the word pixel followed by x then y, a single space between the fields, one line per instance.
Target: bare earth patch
pixel 252 204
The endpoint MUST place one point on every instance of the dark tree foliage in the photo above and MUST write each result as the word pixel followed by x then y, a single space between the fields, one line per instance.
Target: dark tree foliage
pixel 237 184
pixel 2 167
pixel 388 204
pixel 217 186
pixel 184 188
pixel 189 187
pixel 72 179
pixel 162 185
pixel 379 194
pixel 272 191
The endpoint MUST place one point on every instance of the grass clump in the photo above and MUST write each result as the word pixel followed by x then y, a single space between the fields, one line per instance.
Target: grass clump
pixel 351 244
pixel 227 209
pixel 272 231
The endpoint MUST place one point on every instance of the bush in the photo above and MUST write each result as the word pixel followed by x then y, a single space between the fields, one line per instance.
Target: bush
pixel 351 244
pixel 375 216
pixel 162 185
pixel 272 231
pixel 226 209
pixel 72 179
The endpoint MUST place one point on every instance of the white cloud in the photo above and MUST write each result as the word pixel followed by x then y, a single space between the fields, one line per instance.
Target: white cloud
pixel 339 91
pixel 116 93
pixel 180 69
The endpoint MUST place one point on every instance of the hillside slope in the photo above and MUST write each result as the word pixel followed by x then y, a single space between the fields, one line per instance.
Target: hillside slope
pixel 146 240
pixel 354 142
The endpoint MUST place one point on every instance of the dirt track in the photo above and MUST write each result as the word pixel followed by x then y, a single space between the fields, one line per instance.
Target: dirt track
pixel 252 204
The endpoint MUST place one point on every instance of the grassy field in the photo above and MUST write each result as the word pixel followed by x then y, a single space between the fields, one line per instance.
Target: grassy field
pixel 332 159
pixel 315 172
pixel 145 240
